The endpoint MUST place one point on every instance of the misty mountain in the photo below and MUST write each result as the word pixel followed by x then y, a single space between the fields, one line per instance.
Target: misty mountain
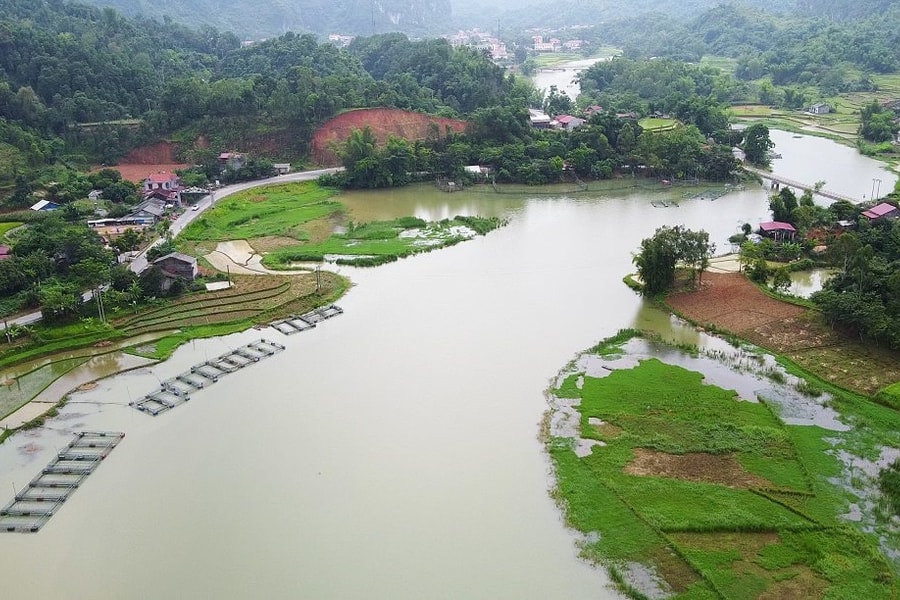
pixel 515 15
pixel 268 18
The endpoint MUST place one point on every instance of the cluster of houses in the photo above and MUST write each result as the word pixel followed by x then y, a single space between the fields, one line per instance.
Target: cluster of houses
pixel 481 41
pixel 780 231
pixel 554 45
pixel 541 120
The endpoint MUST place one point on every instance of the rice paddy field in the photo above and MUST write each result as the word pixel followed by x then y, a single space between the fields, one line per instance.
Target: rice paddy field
pixel 694 482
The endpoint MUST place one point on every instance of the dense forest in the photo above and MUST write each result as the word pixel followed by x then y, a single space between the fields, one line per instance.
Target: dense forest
pixel 81 86
pixel 269 18
pixel 811 49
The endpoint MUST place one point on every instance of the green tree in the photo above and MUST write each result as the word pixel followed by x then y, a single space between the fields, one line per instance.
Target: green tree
pixel 757 144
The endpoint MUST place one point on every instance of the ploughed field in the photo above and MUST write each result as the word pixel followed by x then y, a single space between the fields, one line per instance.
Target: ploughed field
pixel 729 302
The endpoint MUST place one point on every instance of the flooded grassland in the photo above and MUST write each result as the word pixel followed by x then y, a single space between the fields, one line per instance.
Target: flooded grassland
pixel 713 473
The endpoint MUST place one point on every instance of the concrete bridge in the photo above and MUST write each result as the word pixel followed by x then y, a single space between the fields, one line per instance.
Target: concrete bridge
pixel 799 185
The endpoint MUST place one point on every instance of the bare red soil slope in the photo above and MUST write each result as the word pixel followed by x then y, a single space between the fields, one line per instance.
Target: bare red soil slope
pixel 144 161
pixel 383 122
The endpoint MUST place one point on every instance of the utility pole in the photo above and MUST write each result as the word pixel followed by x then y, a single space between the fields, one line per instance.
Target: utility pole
pixel 318 281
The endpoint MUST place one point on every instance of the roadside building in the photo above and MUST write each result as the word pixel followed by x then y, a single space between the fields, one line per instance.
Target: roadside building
pixel 148 212
pixel 232 161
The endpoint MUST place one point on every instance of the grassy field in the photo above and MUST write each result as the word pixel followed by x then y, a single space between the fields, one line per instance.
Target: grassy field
pixel 277 210
pixel 378 242
pixel 716 495
pixel 656 124
pixel 555 59
pixel 5 227
pixel 725 64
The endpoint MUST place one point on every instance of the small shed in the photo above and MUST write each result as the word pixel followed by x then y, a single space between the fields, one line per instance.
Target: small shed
pixel 44 205
pixel 282 168
pixel 5 252
pixel 778 231
pixel 819 109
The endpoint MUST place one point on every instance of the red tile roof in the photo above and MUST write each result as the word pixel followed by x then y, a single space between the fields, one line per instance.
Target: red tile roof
pixel 162 177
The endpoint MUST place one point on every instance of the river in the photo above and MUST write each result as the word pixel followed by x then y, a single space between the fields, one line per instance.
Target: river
pixel 843 169
pixel 564 76
pixel 392 452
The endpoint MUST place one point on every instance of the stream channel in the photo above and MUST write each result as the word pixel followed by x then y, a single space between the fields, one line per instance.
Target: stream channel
pixel 391 452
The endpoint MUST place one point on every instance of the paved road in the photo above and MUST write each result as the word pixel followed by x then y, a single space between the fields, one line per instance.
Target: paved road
pixel 140 261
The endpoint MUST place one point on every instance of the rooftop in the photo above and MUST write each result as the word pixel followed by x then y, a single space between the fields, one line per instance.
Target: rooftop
pixel 776 226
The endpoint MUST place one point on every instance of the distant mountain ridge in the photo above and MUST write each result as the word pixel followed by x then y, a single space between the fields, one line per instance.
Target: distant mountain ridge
pixel 269 18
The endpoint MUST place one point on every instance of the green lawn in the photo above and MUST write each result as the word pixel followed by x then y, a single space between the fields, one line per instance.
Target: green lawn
pixel 725 64
pixel 716 494
pixel 5 227
pixel 656 124
pixel 276 210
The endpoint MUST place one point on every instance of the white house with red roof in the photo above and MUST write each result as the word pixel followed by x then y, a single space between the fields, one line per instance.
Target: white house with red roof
pixel 163 186
pixel 567 122
pixel 882 211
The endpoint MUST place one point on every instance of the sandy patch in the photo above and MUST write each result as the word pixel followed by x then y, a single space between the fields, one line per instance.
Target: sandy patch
pixel 696 466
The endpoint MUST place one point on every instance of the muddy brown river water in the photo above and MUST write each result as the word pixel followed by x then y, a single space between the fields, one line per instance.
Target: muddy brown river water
pixel 392 452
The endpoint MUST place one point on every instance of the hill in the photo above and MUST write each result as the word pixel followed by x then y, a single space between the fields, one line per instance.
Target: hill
pixel 268 18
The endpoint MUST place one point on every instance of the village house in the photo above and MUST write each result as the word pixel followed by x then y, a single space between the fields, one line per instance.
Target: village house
pixel 176 266
pixel 883 211
pixel 147 213
pixel 819 109
pixel 539 119
pixel 231 161
pixel 552 45
pixel 163 186
pixel 567 122
pixel 778 231
pixel 593 108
